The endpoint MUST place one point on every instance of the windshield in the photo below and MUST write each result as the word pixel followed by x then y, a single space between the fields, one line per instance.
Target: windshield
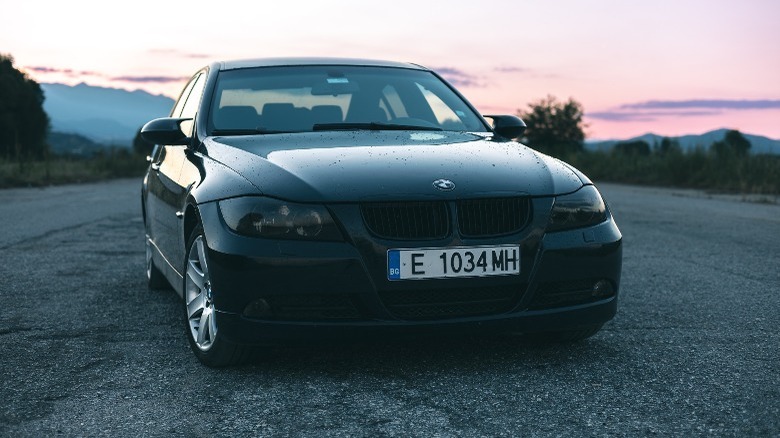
pixel 321 98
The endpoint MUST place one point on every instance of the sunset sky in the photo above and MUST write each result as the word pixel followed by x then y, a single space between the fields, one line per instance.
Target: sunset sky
pixel 669 67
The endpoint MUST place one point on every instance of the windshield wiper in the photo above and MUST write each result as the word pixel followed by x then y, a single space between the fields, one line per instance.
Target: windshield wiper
pixel 246 131
pixel 372 126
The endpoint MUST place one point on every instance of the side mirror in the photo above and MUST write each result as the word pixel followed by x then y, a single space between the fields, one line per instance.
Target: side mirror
pixel 166 130
pixel 508 126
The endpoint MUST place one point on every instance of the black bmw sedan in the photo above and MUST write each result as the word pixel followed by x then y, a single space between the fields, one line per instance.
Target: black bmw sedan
pixel 302 199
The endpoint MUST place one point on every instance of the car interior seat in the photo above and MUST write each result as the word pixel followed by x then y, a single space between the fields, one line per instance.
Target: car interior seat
pixel 236 117
pixel 285 117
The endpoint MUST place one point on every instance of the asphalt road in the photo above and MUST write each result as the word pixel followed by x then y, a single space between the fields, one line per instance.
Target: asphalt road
pixel 86 349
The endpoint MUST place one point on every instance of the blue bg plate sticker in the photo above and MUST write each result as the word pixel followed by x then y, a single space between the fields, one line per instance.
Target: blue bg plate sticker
pixel 458 262
pixel 393 264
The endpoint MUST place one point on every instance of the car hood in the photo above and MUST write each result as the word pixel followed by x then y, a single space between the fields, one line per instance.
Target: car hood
pixel 346 166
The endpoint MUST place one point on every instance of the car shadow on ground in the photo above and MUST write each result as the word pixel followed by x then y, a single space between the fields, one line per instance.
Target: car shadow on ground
pixel 417 354
pixel 428 354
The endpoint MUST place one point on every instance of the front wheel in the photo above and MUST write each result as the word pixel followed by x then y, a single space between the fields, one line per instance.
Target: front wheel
pixel 202 320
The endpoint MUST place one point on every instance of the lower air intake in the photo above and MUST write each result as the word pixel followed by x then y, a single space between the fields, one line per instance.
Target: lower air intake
pixel 451 303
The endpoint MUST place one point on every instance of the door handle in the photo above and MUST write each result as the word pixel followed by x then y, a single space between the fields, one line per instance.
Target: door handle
pixel 155 166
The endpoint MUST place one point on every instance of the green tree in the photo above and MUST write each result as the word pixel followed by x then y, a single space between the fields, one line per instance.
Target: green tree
pixel 737 142
pixel 734 144
pixel 554 127
pixel 636 147
pixel 23 123
pixel 668 146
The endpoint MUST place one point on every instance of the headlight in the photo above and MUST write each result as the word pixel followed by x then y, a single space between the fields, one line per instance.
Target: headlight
pixel 271 218
pixel 582 208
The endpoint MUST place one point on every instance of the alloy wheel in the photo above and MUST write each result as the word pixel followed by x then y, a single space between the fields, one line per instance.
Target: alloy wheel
pixel 200 306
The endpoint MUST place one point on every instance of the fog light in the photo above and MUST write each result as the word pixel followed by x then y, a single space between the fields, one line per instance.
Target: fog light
pixel 258 309
pixel 603 289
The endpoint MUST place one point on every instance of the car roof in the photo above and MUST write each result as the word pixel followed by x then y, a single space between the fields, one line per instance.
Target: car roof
pixel 278 62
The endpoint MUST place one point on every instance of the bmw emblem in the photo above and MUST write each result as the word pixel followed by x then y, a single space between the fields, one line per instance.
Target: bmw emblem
pixel 444 185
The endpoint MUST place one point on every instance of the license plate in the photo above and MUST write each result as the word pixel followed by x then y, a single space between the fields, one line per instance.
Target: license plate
pixel 467 261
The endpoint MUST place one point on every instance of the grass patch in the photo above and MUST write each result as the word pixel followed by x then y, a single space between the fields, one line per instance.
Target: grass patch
pixel 699 169
pixel 113 163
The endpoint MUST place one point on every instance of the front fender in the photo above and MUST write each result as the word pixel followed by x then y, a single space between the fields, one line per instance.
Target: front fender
pixel 212 181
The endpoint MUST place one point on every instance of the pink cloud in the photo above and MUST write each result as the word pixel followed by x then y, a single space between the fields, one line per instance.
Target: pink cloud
pixel 66 71
pixel 458 78
pixel 149 79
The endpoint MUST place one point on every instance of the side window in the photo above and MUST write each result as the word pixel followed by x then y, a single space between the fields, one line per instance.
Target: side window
pixel 191 105
pixel 183 98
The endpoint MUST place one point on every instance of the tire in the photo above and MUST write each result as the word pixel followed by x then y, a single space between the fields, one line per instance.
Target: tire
pixel 201 319
pixel 566 336
pixel 154 277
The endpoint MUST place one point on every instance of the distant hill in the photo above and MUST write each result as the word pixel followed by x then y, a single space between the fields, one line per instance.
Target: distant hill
pixel 109 116
pixel 758 144
pixel 74 145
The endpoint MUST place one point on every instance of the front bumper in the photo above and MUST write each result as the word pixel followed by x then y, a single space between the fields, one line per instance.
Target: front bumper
pixel 336 290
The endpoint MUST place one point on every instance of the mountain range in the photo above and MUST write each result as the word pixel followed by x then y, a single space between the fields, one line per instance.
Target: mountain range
pixel 112 116
pixel 758 144
pixel 109 116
